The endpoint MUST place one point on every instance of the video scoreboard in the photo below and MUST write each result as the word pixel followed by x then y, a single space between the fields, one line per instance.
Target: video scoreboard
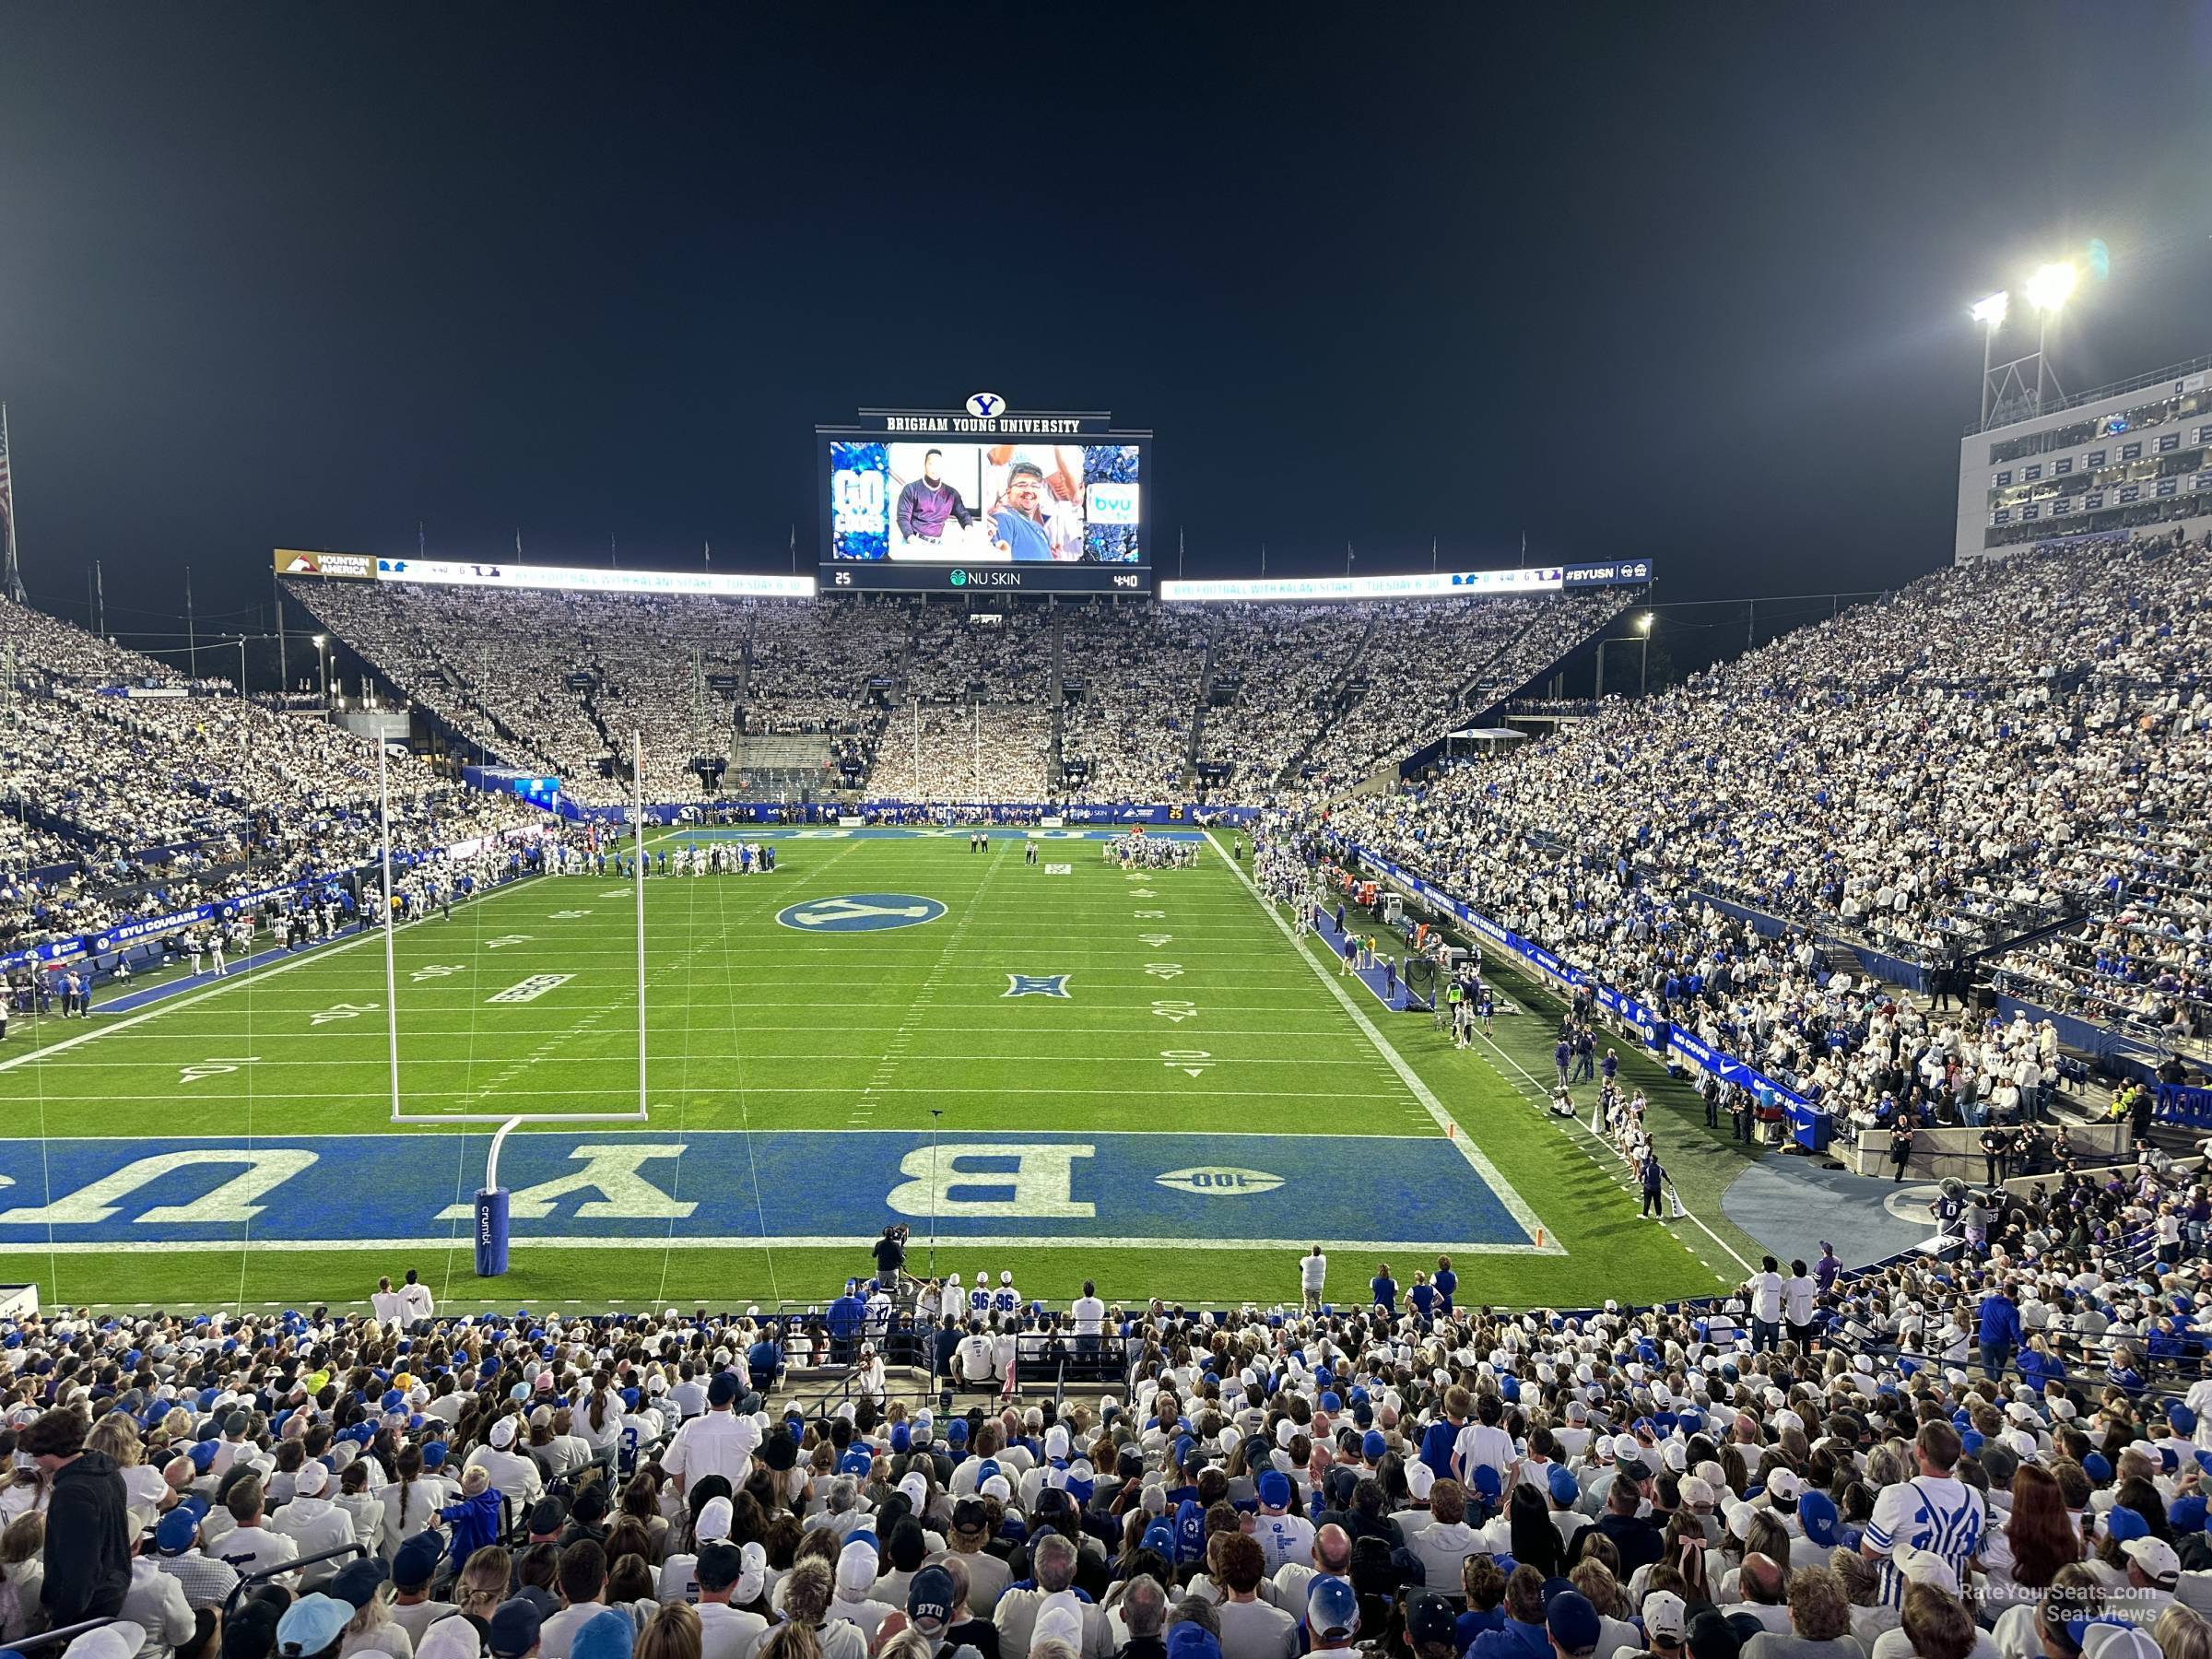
pixel 984 499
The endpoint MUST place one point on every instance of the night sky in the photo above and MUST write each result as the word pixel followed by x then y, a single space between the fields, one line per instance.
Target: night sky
pixel 1681 281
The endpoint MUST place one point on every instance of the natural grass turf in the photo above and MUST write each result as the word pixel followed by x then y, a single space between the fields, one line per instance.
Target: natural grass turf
pixel 753 1025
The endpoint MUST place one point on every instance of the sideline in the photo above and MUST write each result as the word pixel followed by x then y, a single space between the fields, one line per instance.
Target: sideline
pixel 1493 1177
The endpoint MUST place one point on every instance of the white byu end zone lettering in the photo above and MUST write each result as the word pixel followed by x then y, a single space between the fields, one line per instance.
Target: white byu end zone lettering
pixel 1041 1182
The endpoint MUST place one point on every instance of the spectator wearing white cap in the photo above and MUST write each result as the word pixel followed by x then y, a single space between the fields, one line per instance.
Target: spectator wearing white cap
pixel 514 1474
pixel 313 1522
pixel 678 1580
pixel 854 1584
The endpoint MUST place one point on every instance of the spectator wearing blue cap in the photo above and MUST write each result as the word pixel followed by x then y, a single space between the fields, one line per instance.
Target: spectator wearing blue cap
pixel 206 1583
pixel 933 1611
pixel 413 1569
pixel 1283 1538
pixel 606 1635
pixel 1332 1614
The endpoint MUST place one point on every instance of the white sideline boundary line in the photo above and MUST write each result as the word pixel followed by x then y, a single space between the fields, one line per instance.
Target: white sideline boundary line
pixel 1584 1128
pixel 1289 1247
pixel 1515 1205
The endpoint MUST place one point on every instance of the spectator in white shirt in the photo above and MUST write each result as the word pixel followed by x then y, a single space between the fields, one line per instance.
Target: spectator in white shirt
pixel 514 1474
pixel 415 1304
pixel 1765 1292
pixel 313 1522
pixel 730 1580
pixel 249 1546
pixel 717 1442
pixel 1313 1273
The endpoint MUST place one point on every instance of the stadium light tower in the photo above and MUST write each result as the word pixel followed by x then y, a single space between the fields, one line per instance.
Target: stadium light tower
pixel 2008 393
pixel 1990 314
pixel 2048 290
pixel 322 657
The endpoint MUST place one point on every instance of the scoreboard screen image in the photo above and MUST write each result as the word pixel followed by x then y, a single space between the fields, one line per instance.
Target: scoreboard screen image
pixel 1013 504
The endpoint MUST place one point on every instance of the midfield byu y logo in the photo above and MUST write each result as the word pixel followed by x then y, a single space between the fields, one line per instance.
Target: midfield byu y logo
pixel 860 913
pixel 987 405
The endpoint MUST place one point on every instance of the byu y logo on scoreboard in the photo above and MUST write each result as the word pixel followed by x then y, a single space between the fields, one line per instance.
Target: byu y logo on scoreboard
pixel 987 405
pixel 860 913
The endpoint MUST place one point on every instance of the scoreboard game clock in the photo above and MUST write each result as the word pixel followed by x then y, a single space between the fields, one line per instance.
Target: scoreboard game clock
pixel 984 498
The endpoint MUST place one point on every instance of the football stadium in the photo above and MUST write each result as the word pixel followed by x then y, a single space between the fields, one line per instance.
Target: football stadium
pixel 1463 988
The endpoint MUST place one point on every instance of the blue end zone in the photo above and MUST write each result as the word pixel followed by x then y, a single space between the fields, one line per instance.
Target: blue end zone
pixel 651 1186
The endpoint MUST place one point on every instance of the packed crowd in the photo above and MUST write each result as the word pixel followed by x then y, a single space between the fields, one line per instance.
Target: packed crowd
pixel 153 804
pixel 2001 1452
pixel 1927 776
pixel 1257 690
pixel 1423 663
pixel 1140 668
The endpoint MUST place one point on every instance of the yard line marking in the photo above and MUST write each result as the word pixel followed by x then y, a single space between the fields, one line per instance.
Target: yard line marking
pixel 314 953
pixel 1515 1205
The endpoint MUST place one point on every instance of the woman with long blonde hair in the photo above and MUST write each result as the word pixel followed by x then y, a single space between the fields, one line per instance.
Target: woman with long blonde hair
pixel 144 1490
pixel 670 1633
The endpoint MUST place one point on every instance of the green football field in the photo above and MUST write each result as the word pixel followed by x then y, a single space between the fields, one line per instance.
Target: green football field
pixel 1007 1056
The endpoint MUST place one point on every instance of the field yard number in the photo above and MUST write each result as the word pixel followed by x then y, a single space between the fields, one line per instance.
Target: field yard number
pixel 1190 1061
pixel 1156 939
pixel 506 939
pixel 1166 970
pixel 1152 915
pixel 1143 893
pixel 436 971
pixel 343 1011
pixel 1176 1011
pixel 567 915
pixel 531 989
pixel 214 1068
pixel 616 893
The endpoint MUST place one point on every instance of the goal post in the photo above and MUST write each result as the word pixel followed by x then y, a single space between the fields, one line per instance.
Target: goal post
pixel 505 1120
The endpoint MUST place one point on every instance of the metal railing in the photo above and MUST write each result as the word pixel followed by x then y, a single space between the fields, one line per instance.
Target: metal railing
pixel 61 1637
pixel 262 1575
